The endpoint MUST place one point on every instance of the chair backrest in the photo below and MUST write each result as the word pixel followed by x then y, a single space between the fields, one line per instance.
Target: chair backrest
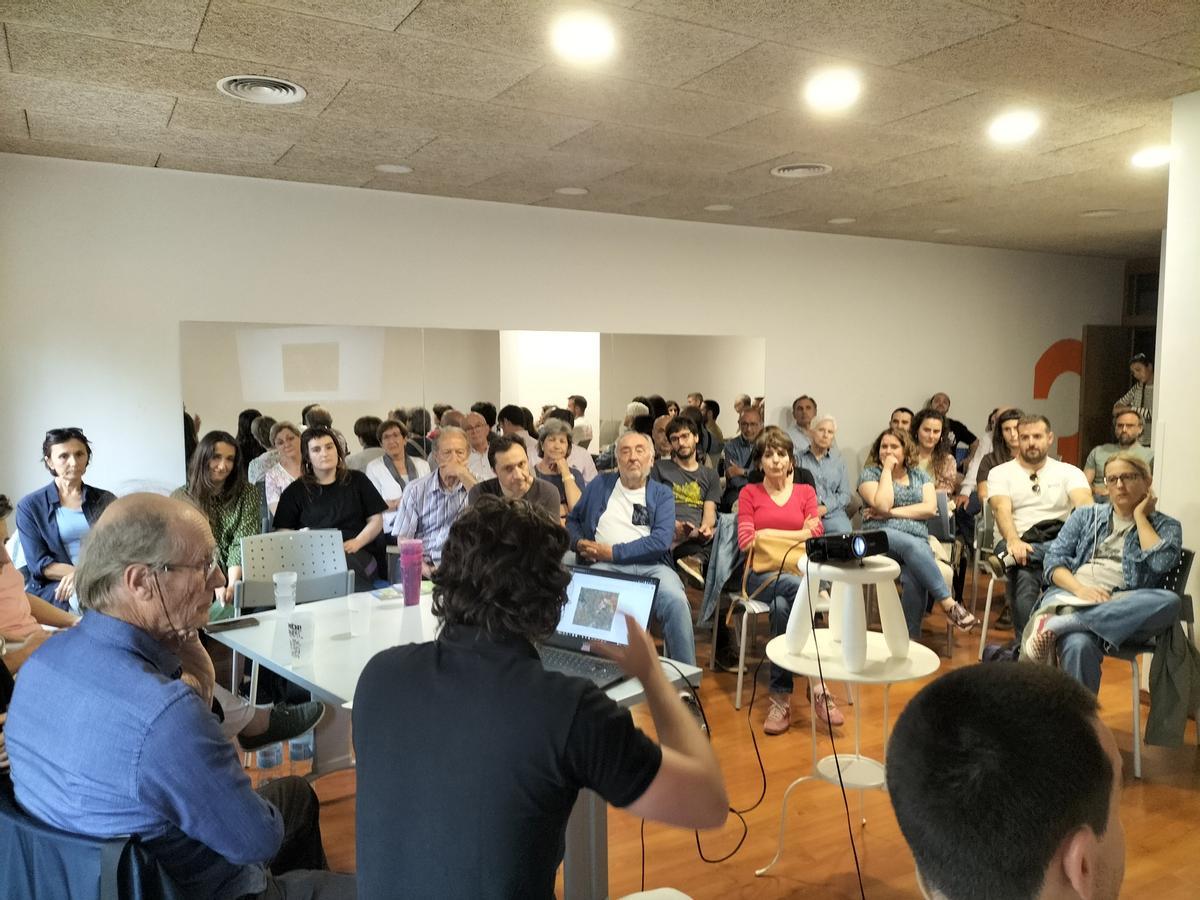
pixel 37 861
pixel 317 557
pixel 985 528
pixel 1176 580
pixel 942 525
pixel 265 516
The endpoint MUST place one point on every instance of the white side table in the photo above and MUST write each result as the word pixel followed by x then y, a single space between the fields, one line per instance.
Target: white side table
pixel 879 666
pixel 847 609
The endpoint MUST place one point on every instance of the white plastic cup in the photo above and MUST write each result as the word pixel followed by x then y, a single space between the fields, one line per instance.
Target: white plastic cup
pixel 285 592
pixel 302 637
pixel 360 614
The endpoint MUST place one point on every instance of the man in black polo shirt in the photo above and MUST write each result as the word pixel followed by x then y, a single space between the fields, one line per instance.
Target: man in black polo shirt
pixel 470 755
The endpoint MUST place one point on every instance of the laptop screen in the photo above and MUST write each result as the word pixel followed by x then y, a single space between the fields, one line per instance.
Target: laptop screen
pixel 595 600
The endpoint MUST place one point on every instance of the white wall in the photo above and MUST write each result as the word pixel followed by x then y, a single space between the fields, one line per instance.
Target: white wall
pixel 541 367
pixel 100 263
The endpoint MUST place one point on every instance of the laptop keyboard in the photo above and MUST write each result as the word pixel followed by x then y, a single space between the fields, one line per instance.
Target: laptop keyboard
pixel 600 672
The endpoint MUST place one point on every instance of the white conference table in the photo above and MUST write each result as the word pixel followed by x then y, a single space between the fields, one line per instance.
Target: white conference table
pixel 332 675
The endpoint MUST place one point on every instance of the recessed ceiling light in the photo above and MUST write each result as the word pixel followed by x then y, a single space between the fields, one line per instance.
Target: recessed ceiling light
pixel 1151 157
pixel 583 38
pixel 832 90
pixel 842 220
pixel 261 89
pixel 1013 127
pixel 802 170
pixel 571 191
pixel 1100 213
pixel 718 207
pixel 393 169
pixel 945 231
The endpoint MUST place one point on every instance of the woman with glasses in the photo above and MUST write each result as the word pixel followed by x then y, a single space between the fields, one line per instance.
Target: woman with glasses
pixel 53 520
pixel 217 485
pixel 898 496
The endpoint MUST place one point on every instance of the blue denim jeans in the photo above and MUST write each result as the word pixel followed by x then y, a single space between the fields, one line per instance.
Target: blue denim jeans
pixel 779 595
pixel 1130 617
pixel 920 578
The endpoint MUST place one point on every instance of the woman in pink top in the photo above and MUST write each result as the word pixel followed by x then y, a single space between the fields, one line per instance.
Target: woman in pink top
pixel 22 615
pixel 780 509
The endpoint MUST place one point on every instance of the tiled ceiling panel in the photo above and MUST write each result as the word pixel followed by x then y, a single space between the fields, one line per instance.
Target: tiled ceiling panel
pixel 701 99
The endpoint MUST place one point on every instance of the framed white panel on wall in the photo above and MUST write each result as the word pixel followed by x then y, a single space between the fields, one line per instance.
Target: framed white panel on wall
pixel 318 364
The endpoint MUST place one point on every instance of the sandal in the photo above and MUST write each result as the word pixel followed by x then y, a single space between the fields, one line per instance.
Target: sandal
pixel 959 617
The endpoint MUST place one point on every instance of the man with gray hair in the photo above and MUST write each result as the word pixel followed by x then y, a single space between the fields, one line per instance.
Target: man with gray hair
pixel 111 731
pixel 432 502
pixel 626 522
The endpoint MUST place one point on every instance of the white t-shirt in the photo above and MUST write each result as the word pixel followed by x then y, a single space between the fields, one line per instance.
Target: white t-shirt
pixel 1050 500
pixel 625 507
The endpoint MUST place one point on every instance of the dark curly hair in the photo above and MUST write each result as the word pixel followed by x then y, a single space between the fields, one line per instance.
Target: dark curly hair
pixel 502 570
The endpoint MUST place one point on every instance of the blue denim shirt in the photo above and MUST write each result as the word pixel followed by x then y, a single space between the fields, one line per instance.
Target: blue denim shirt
pixel 832 480
pixel 1089 525
pixel 105 740
pixel 40 540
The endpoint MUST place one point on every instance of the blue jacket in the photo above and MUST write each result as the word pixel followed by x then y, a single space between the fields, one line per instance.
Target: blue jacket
pixel 1089 525
pixel 650 550
pixel 40 540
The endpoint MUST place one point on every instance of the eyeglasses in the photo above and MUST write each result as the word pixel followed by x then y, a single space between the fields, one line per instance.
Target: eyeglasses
pixel 1033 480
pixel 208 567
pixel 1122 478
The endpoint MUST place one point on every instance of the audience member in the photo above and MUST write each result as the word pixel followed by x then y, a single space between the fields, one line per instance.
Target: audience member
pixel 452 418
pixel 695 399
pixel 672 408
pixel 831 480
pixel 319 417
pixel 901 419
pixel 712 411
pixel 626 522
pixel 395 470
pixel 257 470
pixel 247 443
pixel 1006 444
pixel 420 424
pixel 696 489
pixel 956 432
pixel 22 616
pixel 577 405
pixel 511 420
pixel 366 429
pixel 899 497
pixel 432 503
pixel 966 747
pixel 657 405
pixel 1140 397
pixel 1031 496
pixel 658 432
pixel 515 481
pixel 217 486
pixel 737 455
pixel 707 449
pixel 53 520
pixel 438 410
pixel 189 437
pixel 554 467
pixel 285 438
pixel 140 748
pixel 487 410
pixel 633 410
pixel 742 403
pixel 578 457
pixel 804 408
pixel 480 438
pixel 1106 570
pixel 970 480
pixel 499 590
pixel 329 495
pixel 1127 428
pixel 935 456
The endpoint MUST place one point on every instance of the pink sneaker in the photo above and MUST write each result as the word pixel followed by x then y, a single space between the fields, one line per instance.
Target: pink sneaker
pixel 827 710
pixel 779 718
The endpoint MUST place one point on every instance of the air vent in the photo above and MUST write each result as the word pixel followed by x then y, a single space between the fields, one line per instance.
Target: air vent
pixel 802 170
pixel 261 89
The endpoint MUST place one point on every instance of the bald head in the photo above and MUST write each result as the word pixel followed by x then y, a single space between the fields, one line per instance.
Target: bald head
pixel 476 428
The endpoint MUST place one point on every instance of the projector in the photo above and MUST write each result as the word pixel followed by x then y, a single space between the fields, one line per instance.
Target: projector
pixel 855 545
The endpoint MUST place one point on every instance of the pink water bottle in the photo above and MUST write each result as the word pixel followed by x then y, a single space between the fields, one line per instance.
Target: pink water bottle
pixel 412 552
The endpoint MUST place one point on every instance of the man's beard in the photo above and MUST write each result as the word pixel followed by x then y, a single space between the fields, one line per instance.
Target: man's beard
pixel 1126 440
pixel 1037 455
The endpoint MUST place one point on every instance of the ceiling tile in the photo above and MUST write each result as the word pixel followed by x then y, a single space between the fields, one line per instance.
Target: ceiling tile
pixel 1114 150
pixel 827 140
pixel 610 195
pixel 163 23
pixel 385 14
pixel 96 61
pixel 559 90
pixel 645 145
pixel 773 75
pixel 717 188
pixel 1183 47
pixel 378 103
pixel 883 32
pixel 115 134
pixel 123 155
pixel 85 101
pixel 652 49
pixel 5 60
pixel 1123 23
pixel 466 162
pixel 1038 62
pixel 243 31
pixel 221 166
pixel 12 121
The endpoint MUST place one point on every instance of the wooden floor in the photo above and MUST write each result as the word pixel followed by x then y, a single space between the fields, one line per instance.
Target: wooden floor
pixel 1161 812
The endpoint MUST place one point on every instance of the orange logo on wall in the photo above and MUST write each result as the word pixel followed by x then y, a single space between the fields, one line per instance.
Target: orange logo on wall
pixel 1060 358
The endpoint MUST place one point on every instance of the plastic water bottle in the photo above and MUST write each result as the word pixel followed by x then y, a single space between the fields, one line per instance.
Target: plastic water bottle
pixel 301 747
pixel 270 756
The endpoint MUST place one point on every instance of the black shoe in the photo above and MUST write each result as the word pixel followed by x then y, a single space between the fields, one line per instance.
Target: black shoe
pixel 726 660
pixel 286 723
pixel 1004 620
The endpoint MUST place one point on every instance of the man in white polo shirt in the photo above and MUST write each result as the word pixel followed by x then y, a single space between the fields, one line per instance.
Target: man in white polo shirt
pixel 1031 496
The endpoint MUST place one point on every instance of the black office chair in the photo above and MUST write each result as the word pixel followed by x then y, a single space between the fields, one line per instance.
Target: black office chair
pixel 38 861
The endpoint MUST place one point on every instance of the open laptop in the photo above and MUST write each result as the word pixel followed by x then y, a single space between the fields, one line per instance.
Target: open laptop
pixel 595 600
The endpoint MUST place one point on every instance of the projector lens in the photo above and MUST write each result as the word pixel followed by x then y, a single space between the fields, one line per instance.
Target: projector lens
pixel 859 546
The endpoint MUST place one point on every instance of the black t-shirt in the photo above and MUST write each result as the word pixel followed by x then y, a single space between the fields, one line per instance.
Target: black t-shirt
pixel 345 506
pixel 469 759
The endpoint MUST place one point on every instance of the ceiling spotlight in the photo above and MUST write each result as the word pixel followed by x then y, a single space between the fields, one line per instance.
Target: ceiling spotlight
pixel 1013 127
pixel 1100 213
pixel 718 207
pixel 583 38
pixel 1151 157
pixel 945 231
pixel 571 191
pixel 393 169
pixel 842 220
pixel 833 90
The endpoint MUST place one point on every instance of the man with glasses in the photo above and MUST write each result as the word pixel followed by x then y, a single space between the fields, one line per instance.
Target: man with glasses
pixel 737 455
pixel 1031 496
pixel 111 729
pixel 432 503
pixel 1127 428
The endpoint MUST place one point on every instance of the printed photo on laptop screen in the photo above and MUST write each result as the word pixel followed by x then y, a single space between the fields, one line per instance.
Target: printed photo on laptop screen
pixel 595 601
